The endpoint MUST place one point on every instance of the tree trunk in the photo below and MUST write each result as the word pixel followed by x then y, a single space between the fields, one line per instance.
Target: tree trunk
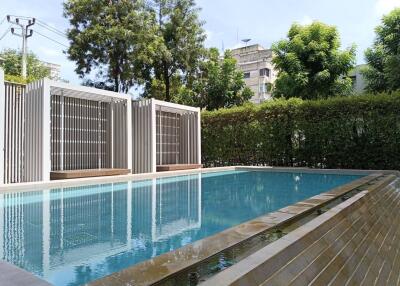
pixel 116 77
pixel 116 84
pixel 167 81
pixel 167 87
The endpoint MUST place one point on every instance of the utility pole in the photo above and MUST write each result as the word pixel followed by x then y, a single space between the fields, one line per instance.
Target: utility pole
pixel 25 34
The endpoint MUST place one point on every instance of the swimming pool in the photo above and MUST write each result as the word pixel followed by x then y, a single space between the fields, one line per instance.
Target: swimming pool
pixel 75 235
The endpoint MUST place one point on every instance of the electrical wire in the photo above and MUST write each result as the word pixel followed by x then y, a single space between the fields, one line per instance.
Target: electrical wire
pixel 2 21
pixel 22 17
pixel 50 28
pixel 50 39
pixel 40 23
pixel 5 33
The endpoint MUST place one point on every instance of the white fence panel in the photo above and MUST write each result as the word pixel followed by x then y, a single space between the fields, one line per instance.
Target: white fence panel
pixel 33 159
pixel 2 119
pixel 13 132
pixel 142 142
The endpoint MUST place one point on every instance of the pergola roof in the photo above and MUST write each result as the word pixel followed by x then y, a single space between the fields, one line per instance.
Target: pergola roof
pixel 174 107
pixel 84 92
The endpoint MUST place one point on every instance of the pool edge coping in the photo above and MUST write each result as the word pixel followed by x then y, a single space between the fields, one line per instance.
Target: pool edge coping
pixel 35 186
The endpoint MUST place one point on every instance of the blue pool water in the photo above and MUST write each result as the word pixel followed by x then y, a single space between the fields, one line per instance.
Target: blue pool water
pixel 75 235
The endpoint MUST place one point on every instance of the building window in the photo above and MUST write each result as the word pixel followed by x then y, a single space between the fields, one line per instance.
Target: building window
pixel 264 72
pixel 353 81
pixel 268 87
pixel 246 75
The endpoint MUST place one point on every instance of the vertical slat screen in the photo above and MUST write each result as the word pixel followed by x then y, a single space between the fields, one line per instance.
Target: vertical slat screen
pixel 188 139
pixel 82 143
pixel 13 132
pixel 120 141
pixel 168 126
pixel 141 137
pixel 33 131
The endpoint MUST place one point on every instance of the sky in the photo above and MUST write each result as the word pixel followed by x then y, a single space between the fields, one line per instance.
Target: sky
pixel 226 22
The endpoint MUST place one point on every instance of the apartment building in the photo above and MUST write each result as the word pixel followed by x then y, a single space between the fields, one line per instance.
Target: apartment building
pixel 55 70
pixel 256 63
pixel 358 79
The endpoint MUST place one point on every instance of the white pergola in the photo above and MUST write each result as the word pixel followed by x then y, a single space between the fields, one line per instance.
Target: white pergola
pixel 75 127
pixel 62 127
pixel 164 133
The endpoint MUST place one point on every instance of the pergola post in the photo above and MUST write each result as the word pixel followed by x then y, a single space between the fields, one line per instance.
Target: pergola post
pixel 46 131
pixel 2 115
pixel 188 138
pixel 153 137
pixel 112 133
pixel 198 137
pixel 98 135
pixel 160 138
pixel 62 132
pixel 129 132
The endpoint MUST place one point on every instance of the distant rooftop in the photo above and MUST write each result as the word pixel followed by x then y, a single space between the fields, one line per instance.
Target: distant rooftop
pixel 250 48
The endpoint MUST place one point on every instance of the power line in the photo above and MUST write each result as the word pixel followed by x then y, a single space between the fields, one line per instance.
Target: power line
pixel 40 23
pixel 51 29
pixel 50 39
pixel 21 17
pixel 25 34
pixel 5 33
pixel 2 21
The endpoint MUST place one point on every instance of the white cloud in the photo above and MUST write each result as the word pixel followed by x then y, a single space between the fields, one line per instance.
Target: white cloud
pixel 306 20
pixel 385 6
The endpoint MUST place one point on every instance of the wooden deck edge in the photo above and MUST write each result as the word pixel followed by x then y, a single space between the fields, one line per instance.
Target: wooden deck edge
pixel 87 173
pixel 176 167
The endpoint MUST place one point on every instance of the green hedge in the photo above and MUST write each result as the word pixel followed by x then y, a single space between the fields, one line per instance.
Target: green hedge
pixel 361 132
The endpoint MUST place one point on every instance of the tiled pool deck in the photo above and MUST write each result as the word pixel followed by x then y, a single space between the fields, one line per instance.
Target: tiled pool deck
pixel 353 241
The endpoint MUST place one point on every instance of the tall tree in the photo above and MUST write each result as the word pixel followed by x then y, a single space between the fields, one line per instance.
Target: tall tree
pixel 383 70
pixel 112 39
pixel 11 63
pixel 218 84
pixel 183 45
pixel 310 64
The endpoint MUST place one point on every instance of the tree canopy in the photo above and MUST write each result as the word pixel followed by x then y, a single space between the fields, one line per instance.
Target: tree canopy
pixel 310 64
pixel 219 83
pixel 383 70
pixel 183 38
pixel 12 66
pixel 124 43
pixel 157 45
pixel 112 40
